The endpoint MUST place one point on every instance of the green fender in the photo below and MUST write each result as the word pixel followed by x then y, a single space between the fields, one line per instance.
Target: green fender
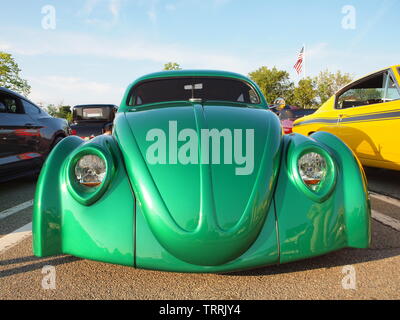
pixel 97 226
pixel 47 212
pixel 316 224
pixel 355 191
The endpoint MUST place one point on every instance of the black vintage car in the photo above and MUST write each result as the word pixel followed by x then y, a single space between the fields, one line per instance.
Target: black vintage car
pixel 27 134
pixel 92 120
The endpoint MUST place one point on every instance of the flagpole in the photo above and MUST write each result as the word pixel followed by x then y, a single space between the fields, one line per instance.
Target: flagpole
pixel 304 61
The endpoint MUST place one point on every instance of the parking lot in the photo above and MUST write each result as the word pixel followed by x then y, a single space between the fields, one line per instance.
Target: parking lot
pixel 376 269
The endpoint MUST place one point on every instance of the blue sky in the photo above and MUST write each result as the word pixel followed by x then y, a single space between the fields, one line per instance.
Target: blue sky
pixel 100 46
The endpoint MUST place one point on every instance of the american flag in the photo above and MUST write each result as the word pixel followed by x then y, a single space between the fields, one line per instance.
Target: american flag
pixel 299 64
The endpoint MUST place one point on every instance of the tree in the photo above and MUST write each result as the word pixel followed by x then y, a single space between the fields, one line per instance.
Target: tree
pixel 59 111
pixel 9 75
pixel 328 83
pixel 304 94
pixel 51 110
pixel 273 83
pixel 66 113
pixel 172 66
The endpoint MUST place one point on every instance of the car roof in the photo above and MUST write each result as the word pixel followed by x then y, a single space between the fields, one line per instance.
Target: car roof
pixel 95 105
pixel 191 73
pixel 5 90
pixel 377 71
pixel 365 76
pixel 2 89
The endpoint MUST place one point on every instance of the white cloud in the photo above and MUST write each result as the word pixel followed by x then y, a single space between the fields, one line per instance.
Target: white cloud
pixel 152 11
pixel 115 7
pixel 372 22
pixel 91 9
pixel 152 14
pixel 131 48
pixel 317 50
pixel 88 7
pixel 72 91
pixel 5 46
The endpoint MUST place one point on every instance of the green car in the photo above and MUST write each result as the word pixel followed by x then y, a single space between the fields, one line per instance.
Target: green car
pixel 197 176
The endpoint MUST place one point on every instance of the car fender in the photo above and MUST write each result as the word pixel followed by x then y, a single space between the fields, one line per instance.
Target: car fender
pixel 311 225
pixel 356 196
pixel 99 229
pixel 46 223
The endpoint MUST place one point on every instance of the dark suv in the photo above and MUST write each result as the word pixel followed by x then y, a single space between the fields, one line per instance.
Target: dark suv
pixel 92 120
pixel 27 135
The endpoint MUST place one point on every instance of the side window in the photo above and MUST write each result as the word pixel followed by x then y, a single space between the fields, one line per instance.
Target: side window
pixel 9 104
pixel 392 92
pixel 30 108
pixel 369 91
pixel 253 97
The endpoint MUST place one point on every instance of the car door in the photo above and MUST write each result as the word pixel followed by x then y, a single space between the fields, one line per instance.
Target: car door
pixel 369 118
pixel 18 136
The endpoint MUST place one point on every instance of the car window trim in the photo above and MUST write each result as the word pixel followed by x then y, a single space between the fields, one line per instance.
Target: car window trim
pixel 392 74
pixel 393 77
pixel 128 99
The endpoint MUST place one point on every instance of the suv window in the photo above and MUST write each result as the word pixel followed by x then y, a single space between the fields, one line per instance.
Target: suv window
pixel 9 104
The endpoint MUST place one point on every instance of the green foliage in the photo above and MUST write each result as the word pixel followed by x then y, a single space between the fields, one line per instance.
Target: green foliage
pixel 305 93
pixel 60 111
pixel 9 75
pixel 273 83
pixel 328 83
pixel 308 93
pixel 172 66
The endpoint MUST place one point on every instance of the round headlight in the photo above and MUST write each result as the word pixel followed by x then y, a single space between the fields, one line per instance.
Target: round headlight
pixel 313 169
pixel 90 170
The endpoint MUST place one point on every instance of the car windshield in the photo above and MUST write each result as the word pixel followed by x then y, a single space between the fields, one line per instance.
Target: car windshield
pixel 204 89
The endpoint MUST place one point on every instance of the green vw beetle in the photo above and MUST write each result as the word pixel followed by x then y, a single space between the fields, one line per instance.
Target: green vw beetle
pixel 198 177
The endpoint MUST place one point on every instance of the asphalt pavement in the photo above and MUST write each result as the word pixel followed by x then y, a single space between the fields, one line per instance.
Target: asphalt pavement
pixel 375 269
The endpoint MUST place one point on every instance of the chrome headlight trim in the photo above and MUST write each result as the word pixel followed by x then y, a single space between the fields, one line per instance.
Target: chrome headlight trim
pixel 327 184
pixel 84 194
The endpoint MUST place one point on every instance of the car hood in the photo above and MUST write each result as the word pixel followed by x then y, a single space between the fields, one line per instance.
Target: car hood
pixel 204 214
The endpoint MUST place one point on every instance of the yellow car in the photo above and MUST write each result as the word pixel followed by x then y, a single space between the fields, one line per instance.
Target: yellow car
pixel 366 116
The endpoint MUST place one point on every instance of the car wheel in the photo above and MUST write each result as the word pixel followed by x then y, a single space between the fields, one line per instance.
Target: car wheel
pixel 56 141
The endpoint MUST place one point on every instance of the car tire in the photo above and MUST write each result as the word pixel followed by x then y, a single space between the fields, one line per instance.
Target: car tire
pixel 56 141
